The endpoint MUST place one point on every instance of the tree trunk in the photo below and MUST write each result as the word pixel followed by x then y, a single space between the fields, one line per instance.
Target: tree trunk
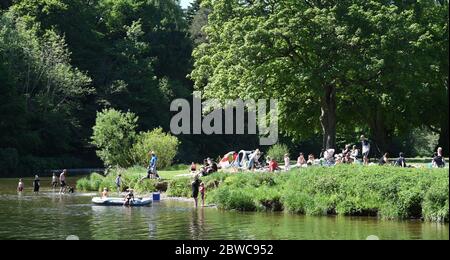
pixel 380 135
pixel 328 117
pixel 443 137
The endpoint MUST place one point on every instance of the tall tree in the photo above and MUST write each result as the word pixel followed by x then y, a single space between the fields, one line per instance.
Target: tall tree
pixel 349 60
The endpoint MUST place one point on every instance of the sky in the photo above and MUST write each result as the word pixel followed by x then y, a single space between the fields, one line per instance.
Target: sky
pixel 185 3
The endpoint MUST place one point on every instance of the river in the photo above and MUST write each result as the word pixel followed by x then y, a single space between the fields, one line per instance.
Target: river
pixel 48 215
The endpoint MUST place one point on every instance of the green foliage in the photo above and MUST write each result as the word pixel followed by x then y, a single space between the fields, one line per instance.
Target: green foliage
pixel 180 188
pixel 131 178
pixel 41 92
pixel 163 144
pixel 332 65
pixel 277 152
pixel 436 202
pixel 387 192
pixel 114 135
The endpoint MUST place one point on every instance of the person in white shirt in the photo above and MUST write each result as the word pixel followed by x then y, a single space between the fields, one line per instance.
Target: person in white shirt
pixel 365 149
pixel 287 162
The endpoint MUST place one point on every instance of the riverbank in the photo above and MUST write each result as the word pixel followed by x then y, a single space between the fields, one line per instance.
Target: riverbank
pixel 386 192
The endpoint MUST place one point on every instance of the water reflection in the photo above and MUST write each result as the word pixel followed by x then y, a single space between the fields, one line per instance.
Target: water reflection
pixel 53 216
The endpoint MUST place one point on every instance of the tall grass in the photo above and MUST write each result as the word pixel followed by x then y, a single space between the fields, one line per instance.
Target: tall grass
pixel 387 192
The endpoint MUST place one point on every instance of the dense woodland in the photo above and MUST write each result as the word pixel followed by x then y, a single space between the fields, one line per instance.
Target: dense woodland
pixel 339 69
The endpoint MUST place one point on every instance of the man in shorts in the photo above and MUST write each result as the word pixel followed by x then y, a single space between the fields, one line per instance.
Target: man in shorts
pixel 62 181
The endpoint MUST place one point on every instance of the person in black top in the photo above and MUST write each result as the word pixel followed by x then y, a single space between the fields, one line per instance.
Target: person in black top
pixel 401 161
pixel 36 184
pixel 438 159
pixel 384 160
pixel 195 189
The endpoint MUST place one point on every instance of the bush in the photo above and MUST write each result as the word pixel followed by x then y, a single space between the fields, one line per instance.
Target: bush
pixel 179 188
pixel 436 202
pixel 164 145
pixel 277 152
pixel 114 135
pixel 386 192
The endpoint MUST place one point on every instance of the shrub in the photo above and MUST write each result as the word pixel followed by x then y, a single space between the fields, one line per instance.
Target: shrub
pixel 164 145
pixel 114 135
pixel 436 203
pixel 179 188
pixel 277 152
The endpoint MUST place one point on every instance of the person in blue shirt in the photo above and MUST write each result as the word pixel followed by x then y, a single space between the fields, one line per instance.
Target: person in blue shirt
pixel 152 171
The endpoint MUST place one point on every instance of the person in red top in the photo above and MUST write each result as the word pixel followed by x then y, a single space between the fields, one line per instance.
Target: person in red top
pixel 273 165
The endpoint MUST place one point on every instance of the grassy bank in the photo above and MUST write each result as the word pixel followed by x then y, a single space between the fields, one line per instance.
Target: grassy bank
pixel 131 179
pixel 386 192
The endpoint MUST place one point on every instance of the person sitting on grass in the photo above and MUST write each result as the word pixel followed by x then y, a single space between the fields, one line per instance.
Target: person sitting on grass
pixel 301 162
pixel 347 159
pixel 384 160
pixel 346 150
pixel 273 166
pixel 401 161
pixel 329 157
pixel 311 160
pixel 438 159
pixel 354 154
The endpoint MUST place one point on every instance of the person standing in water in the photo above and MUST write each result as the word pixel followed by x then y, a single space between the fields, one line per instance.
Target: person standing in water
pixel 54 181
pixel 20 186
pixel 195 189
pixel 36 184
pixel 202 193
pixel 62 181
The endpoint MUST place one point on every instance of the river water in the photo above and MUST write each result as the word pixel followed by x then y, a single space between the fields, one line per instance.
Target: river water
pixel 48 215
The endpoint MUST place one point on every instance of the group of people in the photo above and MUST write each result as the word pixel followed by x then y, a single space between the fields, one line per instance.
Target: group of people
pixel 128 198
pixel 208 167
pixel 250 160
pixel 198 187
pixel 55 180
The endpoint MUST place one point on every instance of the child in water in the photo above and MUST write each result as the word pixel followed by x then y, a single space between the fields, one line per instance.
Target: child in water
pixel 54 181
pixel 202 193
pixel 105 193
pixel 20 186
